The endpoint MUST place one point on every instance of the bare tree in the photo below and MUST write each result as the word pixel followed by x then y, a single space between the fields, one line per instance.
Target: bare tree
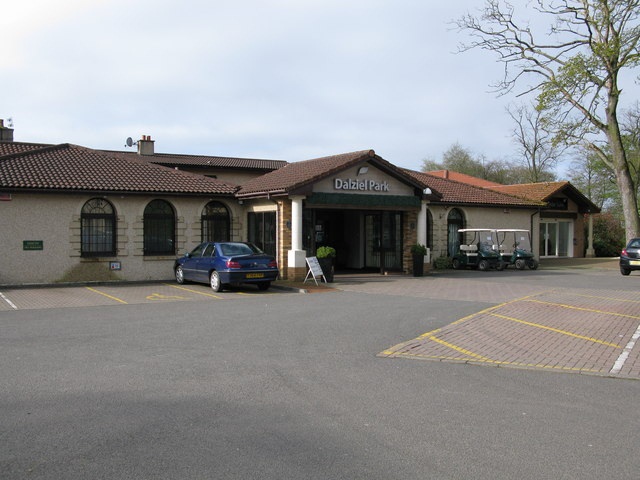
pixel 538 151
pixel 575 68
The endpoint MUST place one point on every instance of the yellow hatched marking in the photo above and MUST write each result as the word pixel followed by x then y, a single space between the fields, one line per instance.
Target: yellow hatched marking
pixel 497 362
pixel 106 295
pixel 195 291
pixel 557 330
pixel 605 298
pixel 458 349
pixel 399 346
pixel 159 296
pixel 572 307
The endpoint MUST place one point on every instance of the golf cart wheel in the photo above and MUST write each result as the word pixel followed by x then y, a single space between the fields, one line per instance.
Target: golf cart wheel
pixel 456 264
pixel 501 266
pixel 533 264
pixel 483 265
pixel 520 264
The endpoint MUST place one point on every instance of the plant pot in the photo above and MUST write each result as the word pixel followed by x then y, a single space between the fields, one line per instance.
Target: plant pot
pixel 418 265
pixel 327 268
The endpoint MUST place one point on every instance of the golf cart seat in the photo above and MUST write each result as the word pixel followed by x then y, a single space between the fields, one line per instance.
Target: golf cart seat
pixel 469 249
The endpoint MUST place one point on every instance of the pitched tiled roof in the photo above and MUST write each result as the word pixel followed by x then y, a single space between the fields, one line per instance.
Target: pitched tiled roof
pixel 462 177
pixel 537 191
pixel 9 148
pixel 204 161
pixel 464 194
pixel 297 175
pixel 544 191
pixel 69 167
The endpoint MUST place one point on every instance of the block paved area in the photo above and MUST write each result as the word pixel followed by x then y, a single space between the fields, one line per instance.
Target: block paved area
pixel 583 331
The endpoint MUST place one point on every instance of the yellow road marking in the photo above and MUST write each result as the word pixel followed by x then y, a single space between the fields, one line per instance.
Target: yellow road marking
pixel 497 362
pixel 557 330
pixel 603 298
pixel 572 307
pixel 159 296
pixel 195 291
pixel 458 349
pixel 106 295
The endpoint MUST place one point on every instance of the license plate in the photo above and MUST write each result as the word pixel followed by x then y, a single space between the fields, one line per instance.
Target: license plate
pixel 634 262
pixel 255 275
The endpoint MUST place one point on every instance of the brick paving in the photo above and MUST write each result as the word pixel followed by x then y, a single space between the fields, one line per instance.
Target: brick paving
pixel 591 332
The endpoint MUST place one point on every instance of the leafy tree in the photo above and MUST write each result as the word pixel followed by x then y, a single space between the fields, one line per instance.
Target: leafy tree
pixel 608 235
pixel 596 180
pixel 574 68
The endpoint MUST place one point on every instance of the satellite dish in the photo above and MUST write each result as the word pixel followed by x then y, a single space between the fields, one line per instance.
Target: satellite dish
pixel 129 142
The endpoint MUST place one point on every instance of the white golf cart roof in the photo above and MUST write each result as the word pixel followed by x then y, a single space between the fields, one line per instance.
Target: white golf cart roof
pixel 511 230
pixel 462 230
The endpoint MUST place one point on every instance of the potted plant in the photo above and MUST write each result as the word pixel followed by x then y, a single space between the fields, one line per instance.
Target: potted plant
pixel 325 256
pixel 418 251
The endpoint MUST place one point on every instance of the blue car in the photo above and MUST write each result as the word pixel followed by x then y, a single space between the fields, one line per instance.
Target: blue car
pixel 224 263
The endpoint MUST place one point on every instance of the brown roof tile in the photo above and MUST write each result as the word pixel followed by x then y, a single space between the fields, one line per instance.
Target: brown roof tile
pixel 69 167
pixel 297 175
pixel 462 177
pixel 205 161
pixel 456 192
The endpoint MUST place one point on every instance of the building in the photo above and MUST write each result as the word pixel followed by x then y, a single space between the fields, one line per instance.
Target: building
pixel 70 213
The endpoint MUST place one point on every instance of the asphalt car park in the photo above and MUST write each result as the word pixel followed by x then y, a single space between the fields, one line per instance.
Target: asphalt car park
pixel 118 294
pixel 152 381
pixel 535 320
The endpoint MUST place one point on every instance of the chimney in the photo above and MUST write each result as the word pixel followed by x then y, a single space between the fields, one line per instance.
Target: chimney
pixel 145 145
pixel 6 133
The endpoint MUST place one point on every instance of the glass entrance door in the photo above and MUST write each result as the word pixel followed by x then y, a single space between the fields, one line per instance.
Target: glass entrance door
pixel 555 239
pixel 383 241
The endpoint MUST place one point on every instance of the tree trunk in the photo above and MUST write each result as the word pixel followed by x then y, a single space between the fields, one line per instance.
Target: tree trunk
pixel 621 167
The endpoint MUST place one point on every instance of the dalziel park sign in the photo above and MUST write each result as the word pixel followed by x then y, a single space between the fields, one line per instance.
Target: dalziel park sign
pixel 362 185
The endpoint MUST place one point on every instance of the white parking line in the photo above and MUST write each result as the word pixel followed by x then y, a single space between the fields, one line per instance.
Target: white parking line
pixel 11 304
pixel 617 367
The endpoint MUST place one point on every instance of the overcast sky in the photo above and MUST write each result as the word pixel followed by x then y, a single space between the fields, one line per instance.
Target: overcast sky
pixel 277 79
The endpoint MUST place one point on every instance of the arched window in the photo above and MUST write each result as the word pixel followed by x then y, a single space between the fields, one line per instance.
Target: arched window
pixel 215 223
pixel 98 228
pixel 159 228
pixel 455 221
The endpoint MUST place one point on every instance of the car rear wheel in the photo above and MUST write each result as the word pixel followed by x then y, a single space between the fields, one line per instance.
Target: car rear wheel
pixel 214 281
pixel 625 271
pixel 179 275
pixel 264 285
pixel 483 265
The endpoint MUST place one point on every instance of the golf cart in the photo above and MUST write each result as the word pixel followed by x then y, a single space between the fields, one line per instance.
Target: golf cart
pixel 479 250
pixel 515 248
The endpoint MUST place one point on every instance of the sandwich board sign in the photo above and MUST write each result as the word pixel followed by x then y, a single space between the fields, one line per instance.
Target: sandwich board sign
pixel 314 269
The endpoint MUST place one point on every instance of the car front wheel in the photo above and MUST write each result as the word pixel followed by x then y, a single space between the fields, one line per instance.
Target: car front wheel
pixel 214 281
pixel 179 275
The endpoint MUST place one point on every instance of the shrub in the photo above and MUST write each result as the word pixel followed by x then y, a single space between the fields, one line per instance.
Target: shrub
pixel 325 252
pixel 442 263
pixel 418 249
